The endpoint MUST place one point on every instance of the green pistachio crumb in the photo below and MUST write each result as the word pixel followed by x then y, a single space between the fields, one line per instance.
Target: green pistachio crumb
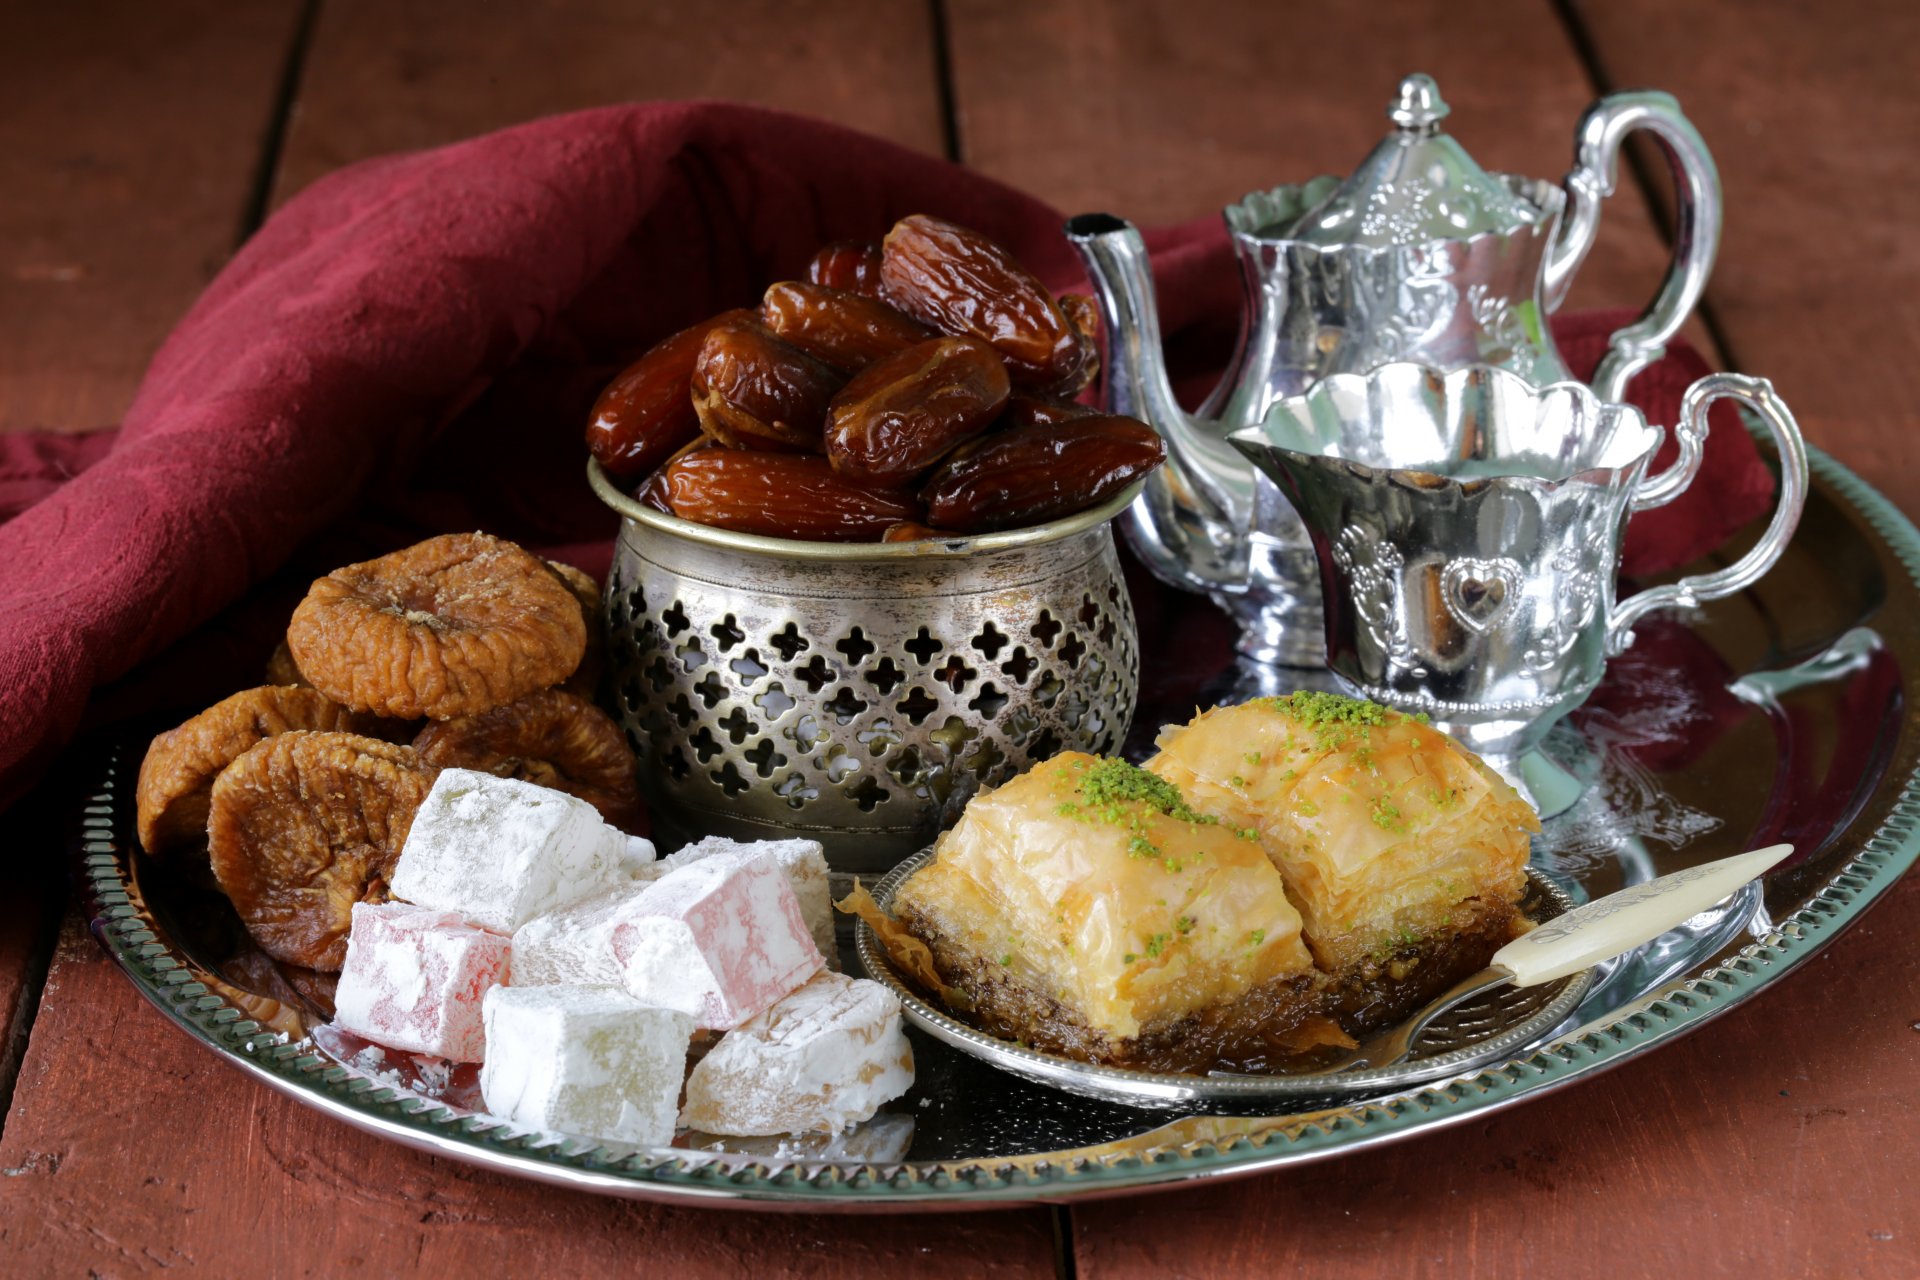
pixel 1158 943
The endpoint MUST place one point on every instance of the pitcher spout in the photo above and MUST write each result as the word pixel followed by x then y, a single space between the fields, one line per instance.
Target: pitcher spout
pixel 1191 522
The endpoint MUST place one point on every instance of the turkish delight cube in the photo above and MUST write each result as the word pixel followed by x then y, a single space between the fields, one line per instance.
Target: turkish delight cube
pixel 723 936
pixel 501 851
pixel 575 943
pixel 588 1061
pixel 822 1058
pixel 805 865
pixel 414 979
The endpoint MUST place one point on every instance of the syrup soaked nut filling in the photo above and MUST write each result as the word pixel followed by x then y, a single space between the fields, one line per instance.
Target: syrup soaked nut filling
pixel 896 362
pixel 452 626
pixel 1284 874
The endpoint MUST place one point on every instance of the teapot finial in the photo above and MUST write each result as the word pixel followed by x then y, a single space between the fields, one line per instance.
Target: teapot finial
pixel 1419 106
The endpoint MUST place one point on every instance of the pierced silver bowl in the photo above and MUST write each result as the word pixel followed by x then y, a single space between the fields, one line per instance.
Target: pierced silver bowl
pixel 859 694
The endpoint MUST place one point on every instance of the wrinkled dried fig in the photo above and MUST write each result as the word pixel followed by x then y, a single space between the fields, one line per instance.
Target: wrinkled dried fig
pixel 585 679
pixel 754 391
pixel 647 411
pixel 453 626
pixel 782 495
pixel 552 738
pixel 176 777
pixel 302 826
pixel 1029 475
pixel 896 418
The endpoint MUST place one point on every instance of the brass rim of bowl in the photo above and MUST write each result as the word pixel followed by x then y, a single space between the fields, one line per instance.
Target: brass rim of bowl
pixel 795 548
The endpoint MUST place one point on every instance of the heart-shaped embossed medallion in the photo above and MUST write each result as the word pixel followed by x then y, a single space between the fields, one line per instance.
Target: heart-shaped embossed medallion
pixel 1480 593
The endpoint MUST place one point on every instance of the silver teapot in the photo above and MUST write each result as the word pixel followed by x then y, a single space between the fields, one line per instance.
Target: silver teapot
pixel 1420 255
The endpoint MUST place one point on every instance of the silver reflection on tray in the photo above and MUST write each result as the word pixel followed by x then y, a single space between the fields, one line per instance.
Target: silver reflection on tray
pixel 1419 255
pixel 1468 530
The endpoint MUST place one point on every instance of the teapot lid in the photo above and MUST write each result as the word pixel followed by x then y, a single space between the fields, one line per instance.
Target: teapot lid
pixel 1418 185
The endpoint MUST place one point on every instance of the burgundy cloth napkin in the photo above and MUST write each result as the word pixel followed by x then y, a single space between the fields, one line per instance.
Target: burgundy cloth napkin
pixel 410 347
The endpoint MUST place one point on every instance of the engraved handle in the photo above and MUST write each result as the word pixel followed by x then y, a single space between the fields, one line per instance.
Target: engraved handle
pixel 1621 921
pixel 1758 395
pixel 1696 233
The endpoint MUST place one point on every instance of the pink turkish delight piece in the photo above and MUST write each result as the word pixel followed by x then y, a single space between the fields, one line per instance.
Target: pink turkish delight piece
pixel 722 938
pixel 414 979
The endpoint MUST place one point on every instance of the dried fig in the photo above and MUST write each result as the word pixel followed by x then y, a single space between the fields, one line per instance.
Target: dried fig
pixel 754 391
pixel 585 679
pixel 1030 475
pixel 647 411
pixel 552 738
pixel 282 670
pixel 841 329
pixel 852 266
pixel 176 777
pixel 782 495
pixel 960 282
pixel 896 418
pixel 304 825
pixel 453 626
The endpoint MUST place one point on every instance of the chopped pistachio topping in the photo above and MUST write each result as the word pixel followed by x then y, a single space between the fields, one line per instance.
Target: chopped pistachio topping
pixel 1334 718
pixel 1386 816
pixel 1158 943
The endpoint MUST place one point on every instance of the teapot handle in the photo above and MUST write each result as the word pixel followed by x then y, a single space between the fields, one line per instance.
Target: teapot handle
pixel 1756 394
pixel 1696 233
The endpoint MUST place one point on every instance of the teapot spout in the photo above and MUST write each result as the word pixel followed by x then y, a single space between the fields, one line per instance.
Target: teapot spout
pixel 1191 523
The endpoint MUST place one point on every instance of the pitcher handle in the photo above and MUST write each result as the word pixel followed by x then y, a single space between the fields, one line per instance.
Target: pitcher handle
pixel 1696 233
pixel 1758 395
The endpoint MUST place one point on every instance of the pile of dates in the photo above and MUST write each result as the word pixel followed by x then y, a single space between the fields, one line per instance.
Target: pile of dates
pixel 918 388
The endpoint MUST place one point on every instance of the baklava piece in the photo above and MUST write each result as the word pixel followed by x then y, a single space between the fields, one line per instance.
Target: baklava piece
pixel 1404 853
pixel 1086 910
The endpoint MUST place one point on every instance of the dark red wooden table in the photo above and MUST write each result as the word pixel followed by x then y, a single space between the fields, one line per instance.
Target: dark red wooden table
pixel 140 143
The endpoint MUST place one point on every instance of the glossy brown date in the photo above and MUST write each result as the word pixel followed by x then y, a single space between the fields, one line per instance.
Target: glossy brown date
pixel 782 495
pixel 852 266
pixel 838 328
pixel 1030 475
pixel 1024 410
pixel 896 418
pixel 653 490
pixel 753 391
pixel 1083 316
pixel 963 283
pixel 647 411
pixel 913 531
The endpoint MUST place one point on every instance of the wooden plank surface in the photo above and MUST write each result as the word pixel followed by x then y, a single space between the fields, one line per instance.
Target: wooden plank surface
pixel 1811 113
pixel 131 1149
pixel 384 77
pixel 1163 112
pixel 129 138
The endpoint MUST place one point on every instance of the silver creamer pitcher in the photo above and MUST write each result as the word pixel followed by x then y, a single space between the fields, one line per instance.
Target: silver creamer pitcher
pixel 1420 255
pixel 1468 528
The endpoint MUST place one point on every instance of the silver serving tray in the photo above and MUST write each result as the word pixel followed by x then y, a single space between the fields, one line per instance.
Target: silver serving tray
pixel 1774 715
pixel 1492 1028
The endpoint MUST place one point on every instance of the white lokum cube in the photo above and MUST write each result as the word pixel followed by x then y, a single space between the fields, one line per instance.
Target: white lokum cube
pixel 588 1061
pixel 805 864
pixel 823 1058
pixel 414 978
pixel 501 851
pixel 575 943
pixel 722 937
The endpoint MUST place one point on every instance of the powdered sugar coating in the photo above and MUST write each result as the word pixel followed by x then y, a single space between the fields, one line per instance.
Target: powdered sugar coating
pixel 501 851
pixel 805 865
pixel 736 912
pixel 575 943
pixel 414 979
pixel 824 1057
pixel 590 1061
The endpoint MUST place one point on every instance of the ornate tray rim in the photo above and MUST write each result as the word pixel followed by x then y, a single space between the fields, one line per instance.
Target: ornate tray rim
pixel 1182 1151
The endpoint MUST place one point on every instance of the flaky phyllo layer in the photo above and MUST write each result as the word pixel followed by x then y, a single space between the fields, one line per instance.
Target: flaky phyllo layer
pixel 1094 884
pixel 1385 830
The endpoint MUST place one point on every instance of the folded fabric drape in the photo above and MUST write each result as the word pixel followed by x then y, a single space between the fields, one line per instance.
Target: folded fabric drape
pixel 410 347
